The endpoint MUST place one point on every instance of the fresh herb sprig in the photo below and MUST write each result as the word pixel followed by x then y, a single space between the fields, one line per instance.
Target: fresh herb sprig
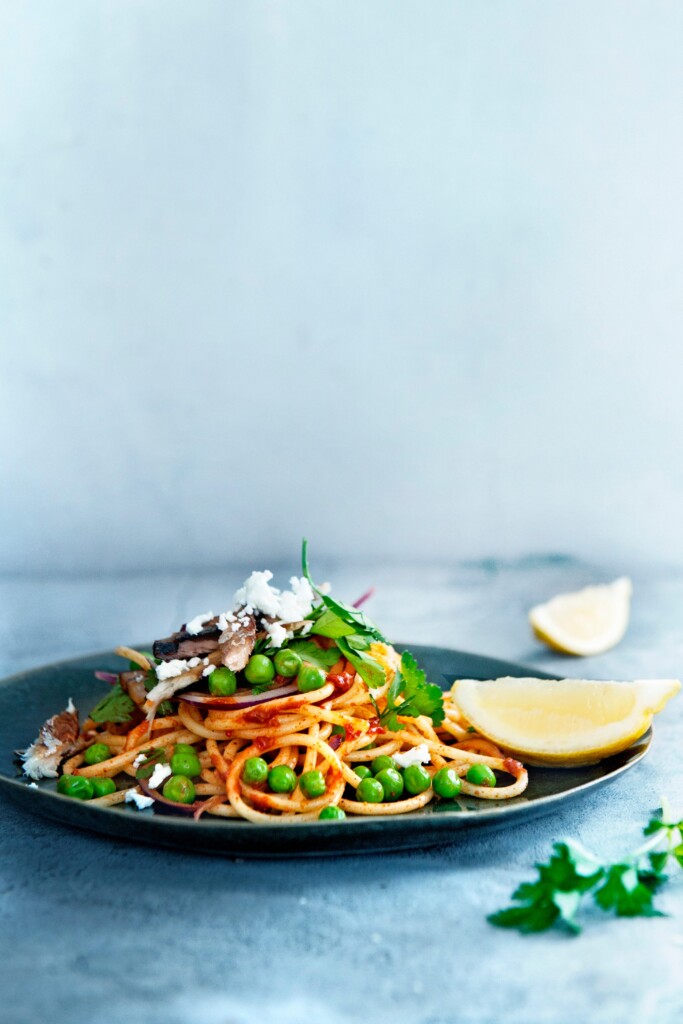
pixel 418 697
pixel 116 706
pixel 350 628
pixel 626 887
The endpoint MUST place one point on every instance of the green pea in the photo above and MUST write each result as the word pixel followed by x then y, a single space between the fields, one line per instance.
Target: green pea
pixel 185 763
pixel 362 771
pixel 103 787
pixel 447 783
pixel 382 762
pixel 76 786
pixel 370 791
pixel 287 663
pixel 392 783
pixel 255 770
pixel 332 814
pixel 96 753
pixel 180 789
pixel 180 748
pixel 282 779
pixel 310 678
pixel 222 682
pixel 313 784
pixel 481 775
pixel 259 669
pixel 416 779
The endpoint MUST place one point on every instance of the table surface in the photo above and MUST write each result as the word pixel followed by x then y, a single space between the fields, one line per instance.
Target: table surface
pixel 99 930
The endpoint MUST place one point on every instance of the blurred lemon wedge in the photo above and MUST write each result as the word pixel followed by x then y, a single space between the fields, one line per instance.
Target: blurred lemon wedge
pixel 589 621
pixel 562 722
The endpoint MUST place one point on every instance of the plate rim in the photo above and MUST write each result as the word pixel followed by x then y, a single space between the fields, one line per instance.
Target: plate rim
pixel 440 825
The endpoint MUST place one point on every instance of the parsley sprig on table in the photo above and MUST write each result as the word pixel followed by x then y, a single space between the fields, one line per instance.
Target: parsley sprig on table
pixel 626 887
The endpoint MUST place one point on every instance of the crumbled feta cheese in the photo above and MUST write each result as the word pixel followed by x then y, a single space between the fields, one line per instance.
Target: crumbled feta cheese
pixel 71 707
pixel 33 785
pixel 160 774
pixel 196 624
pixel 277 633
pixel 306 628
pixel 175 667
pixel 257 595
pixel 208 670
pixel 134 796
pixel 140 759
pixel 418 755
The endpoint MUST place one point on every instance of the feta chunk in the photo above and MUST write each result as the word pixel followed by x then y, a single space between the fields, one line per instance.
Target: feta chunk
pixel 418 755
pixel 196 624
pixel 257 595
pixel 134 796
pixel 160 774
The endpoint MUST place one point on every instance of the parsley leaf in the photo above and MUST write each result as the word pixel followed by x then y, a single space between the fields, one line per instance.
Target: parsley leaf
pixel 153 757
pixel 329 624
pixel 348 615
pixel 367 668
pixel 314 655
pixel 626 888
pixel 117 706
pixel 419 696
pixel 628 892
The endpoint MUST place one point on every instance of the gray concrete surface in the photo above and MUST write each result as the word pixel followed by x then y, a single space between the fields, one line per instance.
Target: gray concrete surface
pixel 104 932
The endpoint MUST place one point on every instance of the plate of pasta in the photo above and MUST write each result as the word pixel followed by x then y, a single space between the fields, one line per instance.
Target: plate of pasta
pixel 286 725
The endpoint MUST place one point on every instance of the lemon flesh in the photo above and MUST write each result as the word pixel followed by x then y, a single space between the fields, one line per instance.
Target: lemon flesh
pixel 586 622
pixel 562 722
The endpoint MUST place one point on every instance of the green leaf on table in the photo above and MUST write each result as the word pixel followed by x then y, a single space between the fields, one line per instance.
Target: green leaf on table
pixel 627 891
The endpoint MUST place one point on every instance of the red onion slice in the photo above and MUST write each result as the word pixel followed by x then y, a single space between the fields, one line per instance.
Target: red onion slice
pixel 363 598
pixel 239 701
pixel 107 677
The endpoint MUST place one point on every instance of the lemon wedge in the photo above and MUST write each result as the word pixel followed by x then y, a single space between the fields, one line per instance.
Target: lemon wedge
pixel 589 621
pixel 562 722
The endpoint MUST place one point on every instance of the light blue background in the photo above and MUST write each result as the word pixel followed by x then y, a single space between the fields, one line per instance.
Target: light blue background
pixel 405 276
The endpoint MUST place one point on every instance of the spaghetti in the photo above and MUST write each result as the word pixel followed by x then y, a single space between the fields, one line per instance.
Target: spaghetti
pixel 357 731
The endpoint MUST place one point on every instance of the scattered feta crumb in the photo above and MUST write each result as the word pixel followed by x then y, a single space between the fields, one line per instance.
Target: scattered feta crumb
pixel 134 796
pixel 175 667
pixel 418 755
pixel 196 624
pixel 33 785
pixel 277 633
pixel 208 670
pixel 257 595
pixel 71 707
pixel 140 759
pixel 160 774
pixel 306 628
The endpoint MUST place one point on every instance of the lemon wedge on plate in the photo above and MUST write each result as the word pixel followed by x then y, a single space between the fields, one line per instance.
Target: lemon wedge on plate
pixel 589 621
pixel 562 722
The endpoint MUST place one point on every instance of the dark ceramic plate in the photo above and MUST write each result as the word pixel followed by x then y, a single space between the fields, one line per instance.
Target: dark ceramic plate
pixel 29 699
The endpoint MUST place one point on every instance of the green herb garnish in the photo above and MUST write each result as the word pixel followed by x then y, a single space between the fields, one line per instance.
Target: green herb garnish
pixel 153 757
pixel 626 887
pixel 419 696
pixel 314 655
pixel 117 706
